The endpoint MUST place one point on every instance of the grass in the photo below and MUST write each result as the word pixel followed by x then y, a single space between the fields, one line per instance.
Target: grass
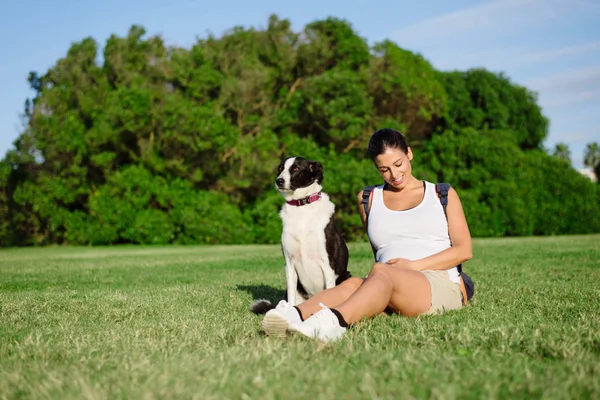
pixel 173 322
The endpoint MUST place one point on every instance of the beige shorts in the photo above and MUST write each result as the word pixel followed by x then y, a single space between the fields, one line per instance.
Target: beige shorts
pixel 445 294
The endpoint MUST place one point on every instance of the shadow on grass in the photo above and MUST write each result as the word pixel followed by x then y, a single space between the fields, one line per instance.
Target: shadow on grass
pixel 259 292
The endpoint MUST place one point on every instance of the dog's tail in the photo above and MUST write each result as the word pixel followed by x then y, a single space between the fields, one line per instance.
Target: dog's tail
pixel 261 306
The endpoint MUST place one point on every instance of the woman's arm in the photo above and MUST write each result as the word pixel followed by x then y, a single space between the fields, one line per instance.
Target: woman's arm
pixel 460 238
pixel 363 217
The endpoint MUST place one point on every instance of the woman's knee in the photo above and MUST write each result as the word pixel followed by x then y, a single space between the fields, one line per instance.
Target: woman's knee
pixel 379 268
pixel 352 283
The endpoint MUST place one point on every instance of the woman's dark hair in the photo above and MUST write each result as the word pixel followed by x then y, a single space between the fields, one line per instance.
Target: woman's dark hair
pixel 386 139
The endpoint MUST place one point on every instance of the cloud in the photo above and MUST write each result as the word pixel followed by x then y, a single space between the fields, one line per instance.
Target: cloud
pixel 549 55
pixel 569 99
pixel 577 137
pixel 582 78
pixel 521 56
pixel 500 17
pixel 579 87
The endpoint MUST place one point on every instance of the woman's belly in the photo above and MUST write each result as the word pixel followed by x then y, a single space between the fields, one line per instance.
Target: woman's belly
pixel 412 249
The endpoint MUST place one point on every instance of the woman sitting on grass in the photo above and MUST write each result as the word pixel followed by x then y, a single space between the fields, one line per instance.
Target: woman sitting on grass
pixel 416 248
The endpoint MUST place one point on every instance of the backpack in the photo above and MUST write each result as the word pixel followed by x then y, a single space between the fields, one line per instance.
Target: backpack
pixel 442 191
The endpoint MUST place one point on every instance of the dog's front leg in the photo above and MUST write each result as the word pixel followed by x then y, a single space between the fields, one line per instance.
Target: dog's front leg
pixel 328 273
pixel 291 279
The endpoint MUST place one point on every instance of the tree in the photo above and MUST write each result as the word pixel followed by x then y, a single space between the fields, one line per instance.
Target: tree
pixel 406 91
pixel 158 144
pixel 488 101
pixel 591 158
pixel 562 151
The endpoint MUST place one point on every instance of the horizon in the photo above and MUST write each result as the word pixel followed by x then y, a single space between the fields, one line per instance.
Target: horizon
pixel 552 48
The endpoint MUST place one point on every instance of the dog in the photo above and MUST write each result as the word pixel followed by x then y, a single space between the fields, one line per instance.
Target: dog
pixel 315 253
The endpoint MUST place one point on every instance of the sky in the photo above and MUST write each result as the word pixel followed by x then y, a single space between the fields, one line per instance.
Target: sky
pixel 550 46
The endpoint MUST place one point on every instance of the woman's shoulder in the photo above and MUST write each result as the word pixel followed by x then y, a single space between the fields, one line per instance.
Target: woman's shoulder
pixel 370 189
pixel 434 185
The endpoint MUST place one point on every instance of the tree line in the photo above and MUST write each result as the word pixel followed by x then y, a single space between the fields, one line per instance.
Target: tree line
pixel 139 142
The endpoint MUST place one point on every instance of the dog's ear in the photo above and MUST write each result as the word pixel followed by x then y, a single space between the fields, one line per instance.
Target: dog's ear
pixel 316 169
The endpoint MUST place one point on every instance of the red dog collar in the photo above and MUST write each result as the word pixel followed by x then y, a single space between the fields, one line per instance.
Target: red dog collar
pixel 307 200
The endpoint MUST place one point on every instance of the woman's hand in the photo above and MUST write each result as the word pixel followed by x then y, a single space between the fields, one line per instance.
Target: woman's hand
pixel 401 263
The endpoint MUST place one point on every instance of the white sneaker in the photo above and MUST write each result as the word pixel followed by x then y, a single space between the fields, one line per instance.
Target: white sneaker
pixel 277 320
pixel 324 325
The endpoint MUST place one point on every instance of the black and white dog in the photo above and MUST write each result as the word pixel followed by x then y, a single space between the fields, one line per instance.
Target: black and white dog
pixel 316 255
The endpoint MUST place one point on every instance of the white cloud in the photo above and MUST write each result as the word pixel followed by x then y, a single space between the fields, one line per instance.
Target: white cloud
pixel 576 137
pixel 549 55
pixel 520 56
pixel 512 57
pixel 569 99
pixel 578 80
pixel 495 17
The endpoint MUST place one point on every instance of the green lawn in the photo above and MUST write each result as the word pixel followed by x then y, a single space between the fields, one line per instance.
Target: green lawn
pixel 173 322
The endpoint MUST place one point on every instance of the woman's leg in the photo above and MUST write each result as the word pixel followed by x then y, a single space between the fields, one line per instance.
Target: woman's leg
pixel 406 291
pixel 330 297
pixel 278 320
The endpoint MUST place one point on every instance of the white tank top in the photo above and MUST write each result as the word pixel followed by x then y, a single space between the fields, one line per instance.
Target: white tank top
pixel 412 234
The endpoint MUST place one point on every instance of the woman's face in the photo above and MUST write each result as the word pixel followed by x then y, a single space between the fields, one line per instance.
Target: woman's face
pixel 394 167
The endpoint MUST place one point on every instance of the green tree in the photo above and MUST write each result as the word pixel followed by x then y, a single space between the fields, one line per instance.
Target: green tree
pixel 487 101
pixel 591 158
pixel 562 151
pixel 406 91
pixel 159 144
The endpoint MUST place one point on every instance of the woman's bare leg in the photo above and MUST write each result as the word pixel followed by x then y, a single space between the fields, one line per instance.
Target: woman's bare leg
pixel 330 297
pixel 406 291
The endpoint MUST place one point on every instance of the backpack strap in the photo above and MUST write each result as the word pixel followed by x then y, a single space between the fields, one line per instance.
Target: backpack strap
pixel 365 198
pixel 442 190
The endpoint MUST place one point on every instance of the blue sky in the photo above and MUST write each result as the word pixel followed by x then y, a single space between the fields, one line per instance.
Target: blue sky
pixel 550 46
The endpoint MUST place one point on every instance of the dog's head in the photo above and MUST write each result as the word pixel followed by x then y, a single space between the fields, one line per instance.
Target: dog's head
pixel 298 177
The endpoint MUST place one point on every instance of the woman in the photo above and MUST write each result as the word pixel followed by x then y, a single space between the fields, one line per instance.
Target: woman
pixel 417 248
